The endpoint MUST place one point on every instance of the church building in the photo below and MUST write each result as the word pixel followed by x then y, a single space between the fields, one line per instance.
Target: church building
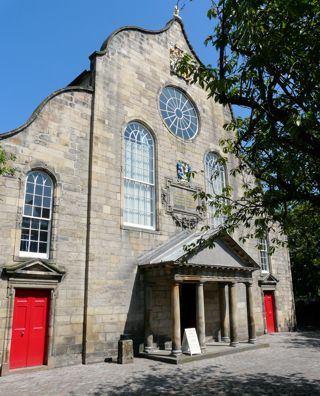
pixel 96 219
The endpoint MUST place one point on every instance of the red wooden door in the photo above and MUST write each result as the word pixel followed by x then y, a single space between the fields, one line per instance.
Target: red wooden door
pixel 29 328
pixel 269 310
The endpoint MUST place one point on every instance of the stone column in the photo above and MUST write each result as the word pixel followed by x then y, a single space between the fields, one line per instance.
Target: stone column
pixel 233 314
pixel 250 315
pixel 201 326
pixel 148 336
pixel 223 313
pixel 175 313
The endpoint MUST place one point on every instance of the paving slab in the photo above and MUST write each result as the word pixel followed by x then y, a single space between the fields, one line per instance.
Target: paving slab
pixel 290 366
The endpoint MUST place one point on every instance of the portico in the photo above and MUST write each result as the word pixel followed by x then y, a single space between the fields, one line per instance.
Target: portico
pixel 226 267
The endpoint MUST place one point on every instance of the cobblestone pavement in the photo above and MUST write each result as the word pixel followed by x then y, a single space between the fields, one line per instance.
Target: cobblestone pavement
pixel 291 366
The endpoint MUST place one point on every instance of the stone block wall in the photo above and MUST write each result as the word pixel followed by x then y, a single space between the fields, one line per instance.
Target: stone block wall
pixel 127 78
pixel 56 141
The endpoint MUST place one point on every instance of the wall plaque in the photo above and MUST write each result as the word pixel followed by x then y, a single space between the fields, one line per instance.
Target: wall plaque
pixel 178 199
pixel 183 199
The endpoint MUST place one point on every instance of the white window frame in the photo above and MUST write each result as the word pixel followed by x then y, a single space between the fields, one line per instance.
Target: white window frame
pixel 209 170
pixel 264 255
pixel 173 100
pixel 23 253
pixel 141 182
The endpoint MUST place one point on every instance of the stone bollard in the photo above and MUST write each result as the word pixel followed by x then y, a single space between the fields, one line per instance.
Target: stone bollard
pixel 125 349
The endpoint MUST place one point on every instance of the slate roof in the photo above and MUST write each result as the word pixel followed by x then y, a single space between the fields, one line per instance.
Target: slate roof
pixel 174 250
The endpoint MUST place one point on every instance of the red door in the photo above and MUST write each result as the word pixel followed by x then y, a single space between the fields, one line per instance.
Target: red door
pixel 29 328
pixel 269 310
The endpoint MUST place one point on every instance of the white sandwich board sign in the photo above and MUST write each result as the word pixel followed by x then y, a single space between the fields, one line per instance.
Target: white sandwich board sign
pixel 190 342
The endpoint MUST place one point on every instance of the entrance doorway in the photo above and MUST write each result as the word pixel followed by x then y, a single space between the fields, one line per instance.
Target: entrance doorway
pixel 269 311
pixel 188 306
pixel 29 328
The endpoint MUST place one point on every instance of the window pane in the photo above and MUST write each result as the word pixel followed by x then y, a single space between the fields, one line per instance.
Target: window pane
pixel 42 248
pixel 30 188
pixel 25 233
pixel 35 224
pixel 29 199
pixel 216 182
pixel 139 176
pixel 44 225
pixel 38 205
pixel 45 213
pixel 43 236
pixel 178 113
pixel 264 255
pixel 37 211
pixel 24 246
pixel 39 189
pixel 28 210
pixel 47 191
pixel 34 235
pixel 33 247
pixel 37 200
pixel 26 222
pixel 47 202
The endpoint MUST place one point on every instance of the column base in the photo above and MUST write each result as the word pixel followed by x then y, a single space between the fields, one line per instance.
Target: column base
pixel 148 349
pixel 203 349
pixel 252 340
pixel 234 343
pixel 225 339
pixel 176 352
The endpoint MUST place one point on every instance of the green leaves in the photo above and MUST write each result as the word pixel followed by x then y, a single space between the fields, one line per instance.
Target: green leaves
pixel 5 168
pixel 269 64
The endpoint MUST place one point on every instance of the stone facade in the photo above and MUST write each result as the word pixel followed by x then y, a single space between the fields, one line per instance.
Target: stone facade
pixel 76 135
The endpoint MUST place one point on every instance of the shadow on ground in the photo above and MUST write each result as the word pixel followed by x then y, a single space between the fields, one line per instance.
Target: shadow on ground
pixel 308 339
pixel 207 382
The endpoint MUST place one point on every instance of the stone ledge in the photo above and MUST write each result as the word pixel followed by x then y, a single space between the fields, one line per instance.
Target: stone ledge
pixel 212 351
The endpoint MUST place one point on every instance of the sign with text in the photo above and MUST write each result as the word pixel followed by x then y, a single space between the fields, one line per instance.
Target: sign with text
pixel 190 342
pixel 182 199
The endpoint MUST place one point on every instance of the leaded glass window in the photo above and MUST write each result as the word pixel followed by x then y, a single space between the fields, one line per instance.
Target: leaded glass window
pixel 178 113
pixel 139 185
pixel 264 255
pixel 216 182
pixel 37 214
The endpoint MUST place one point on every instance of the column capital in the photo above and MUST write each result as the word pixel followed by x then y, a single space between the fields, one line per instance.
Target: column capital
pixel 248 283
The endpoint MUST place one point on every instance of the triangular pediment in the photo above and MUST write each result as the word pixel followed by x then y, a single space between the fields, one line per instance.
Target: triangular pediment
pixel 268 279
pixel 34 268
pixel 222 255
pixel 225 253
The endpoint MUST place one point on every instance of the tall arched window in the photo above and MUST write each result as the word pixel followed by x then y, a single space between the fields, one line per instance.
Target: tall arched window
pixel 139 184
pixel 37 215
pixel 216 182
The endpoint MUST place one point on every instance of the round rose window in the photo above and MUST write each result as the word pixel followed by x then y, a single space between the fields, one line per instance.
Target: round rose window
pixel 178 113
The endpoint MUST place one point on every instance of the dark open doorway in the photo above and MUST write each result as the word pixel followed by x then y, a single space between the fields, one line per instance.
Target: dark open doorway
pixel 188 306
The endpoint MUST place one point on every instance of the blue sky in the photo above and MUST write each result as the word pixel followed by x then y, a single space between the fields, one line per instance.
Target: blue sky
pixel 45 44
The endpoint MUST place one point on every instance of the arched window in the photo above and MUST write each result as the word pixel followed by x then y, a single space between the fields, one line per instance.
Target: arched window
pixel 37 215
pixel 216 182
pixel 139 184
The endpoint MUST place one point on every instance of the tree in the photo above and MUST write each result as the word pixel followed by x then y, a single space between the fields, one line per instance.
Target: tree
pixel 269 64
pixel 5 167
pixel 305 252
